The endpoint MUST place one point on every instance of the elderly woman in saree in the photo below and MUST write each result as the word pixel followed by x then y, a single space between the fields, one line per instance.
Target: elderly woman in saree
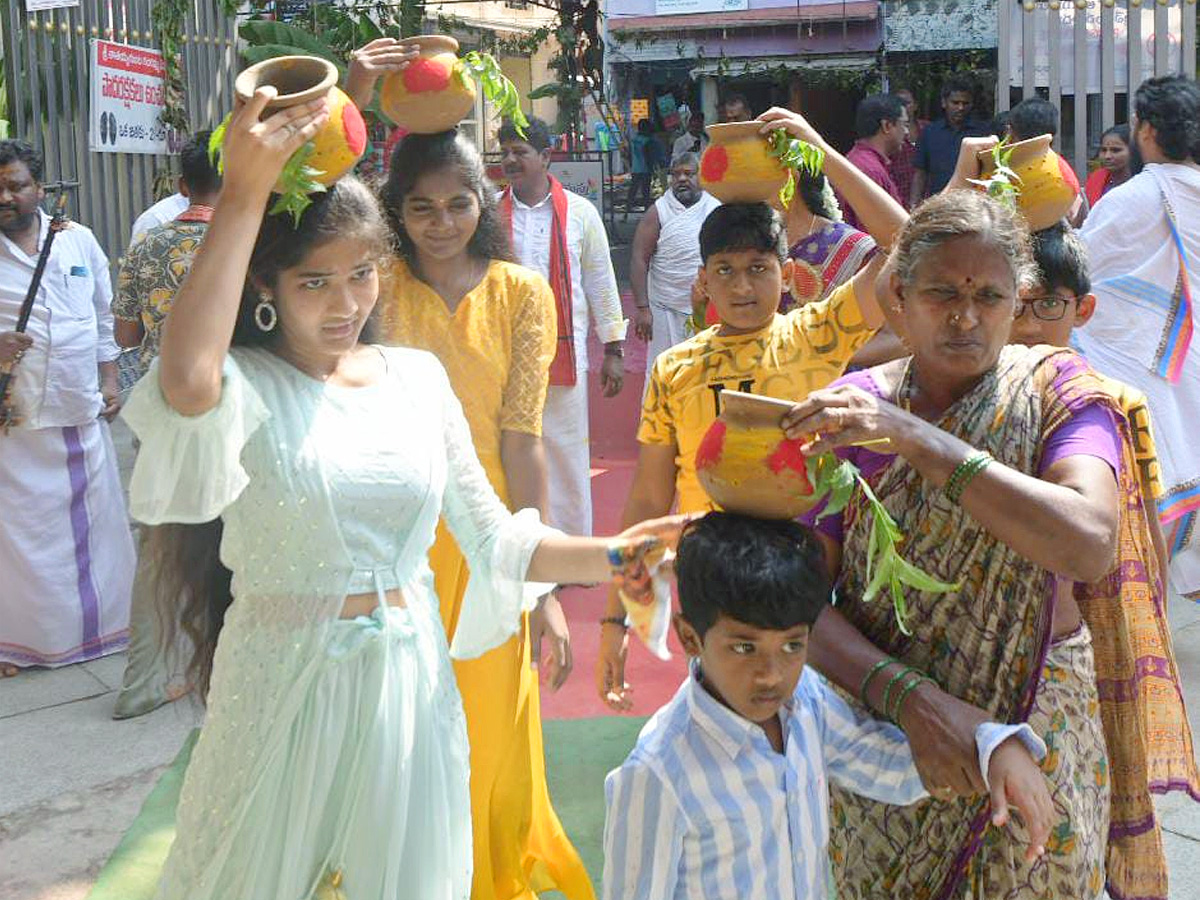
pixel 1010 470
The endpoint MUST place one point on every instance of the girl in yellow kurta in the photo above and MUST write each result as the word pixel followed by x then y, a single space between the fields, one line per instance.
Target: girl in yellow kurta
pixel 493 326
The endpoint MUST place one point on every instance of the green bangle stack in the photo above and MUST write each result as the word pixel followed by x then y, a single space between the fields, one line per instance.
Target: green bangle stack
pixel 964 473
pixel 894 714
pixel 870 676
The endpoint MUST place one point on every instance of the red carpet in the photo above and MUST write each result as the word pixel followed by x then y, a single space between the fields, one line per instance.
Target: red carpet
pixel 614 454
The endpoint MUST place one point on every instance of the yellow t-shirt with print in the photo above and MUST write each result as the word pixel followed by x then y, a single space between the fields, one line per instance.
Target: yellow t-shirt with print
pixel 795 354
pixel 1137 412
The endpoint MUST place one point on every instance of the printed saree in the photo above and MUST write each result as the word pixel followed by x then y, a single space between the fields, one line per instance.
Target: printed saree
pixel 989 644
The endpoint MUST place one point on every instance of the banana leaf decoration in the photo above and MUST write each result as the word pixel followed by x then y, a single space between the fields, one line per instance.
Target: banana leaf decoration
pixel 886 568
pixel 794 154
pixel 496 86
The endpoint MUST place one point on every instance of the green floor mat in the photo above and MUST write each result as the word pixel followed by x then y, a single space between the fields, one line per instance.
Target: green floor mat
pixel 579 753
pixel 131 873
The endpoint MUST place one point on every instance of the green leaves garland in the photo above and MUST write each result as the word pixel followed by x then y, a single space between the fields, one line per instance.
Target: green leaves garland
pixel 298 179
pixel 496 86
pixel 794 154
pixel 885 566
pixel 1003 184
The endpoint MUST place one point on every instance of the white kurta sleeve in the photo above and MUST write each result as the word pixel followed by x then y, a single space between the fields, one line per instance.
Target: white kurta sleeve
pixel 497 544
pixel 189 468
pixel 598 278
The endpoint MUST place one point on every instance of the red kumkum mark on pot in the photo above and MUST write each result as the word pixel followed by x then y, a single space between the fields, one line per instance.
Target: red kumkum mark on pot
pixel 715 164
pixel 787 455
pixel 708 454
pixel 426 75
pixel 354 128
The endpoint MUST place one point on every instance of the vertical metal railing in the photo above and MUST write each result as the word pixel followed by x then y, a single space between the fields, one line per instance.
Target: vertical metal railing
pixel 47 56
pixel 1172 49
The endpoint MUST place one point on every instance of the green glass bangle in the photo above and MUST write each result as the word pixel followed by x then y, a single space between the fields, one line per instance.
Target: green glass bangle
pixel 964 473
pixel 870 676
pixel 903 695
pixel 887 690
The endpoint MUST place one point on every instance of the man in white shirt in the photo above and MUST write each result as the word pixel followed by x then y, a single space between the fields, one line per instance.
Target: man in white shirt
pixel 666 257
pixel 694 140
pixel 160 213
pixel 560 235
pixel 65 548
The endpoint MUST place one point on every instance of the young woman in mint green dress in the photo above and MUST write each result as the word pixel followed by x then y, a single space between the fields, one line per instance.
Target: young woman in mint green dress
pixel 334 754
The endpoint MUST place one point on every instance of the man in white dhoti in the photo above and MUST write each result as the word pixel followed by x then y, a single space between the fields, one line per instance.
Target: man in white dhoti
pixel 560 234
pixel 66 555
pixel 1144 243
pixel 666 257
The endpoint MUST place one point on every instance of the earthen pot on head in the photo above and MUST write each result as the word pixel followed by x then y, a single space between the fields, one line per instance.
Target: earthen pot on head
pixel 1048 185
pixel 299 79
pixel 746 464
pixel 434 93
pixel 737 166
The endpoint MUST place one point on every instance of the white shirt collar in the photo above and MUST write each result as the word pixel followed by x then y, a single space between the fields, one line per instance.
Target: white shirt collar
pixel 517 204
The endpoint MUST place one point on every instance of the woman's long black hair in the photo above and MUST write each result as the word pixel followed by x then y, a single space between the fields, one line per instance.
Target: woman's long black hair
pixel 191 586
pixel 419 154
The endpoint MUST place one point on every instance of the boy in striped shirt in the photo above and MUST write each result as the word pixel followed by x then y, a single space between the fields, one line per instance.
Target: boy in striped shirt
pixel 726 793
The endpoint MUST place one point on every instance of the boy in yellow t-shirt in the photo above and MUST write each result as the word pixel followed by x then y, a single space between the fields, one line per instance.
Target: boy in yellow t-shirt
pixel 743 248
pixel 1063 300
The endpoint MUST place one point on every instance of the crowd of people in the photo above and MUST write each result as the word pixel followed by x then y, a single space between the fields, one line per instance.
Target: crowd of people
pixel 363 472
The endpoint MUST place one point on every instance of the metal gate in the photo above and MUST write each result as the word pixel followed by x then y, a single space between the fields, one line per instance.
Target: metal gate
pixel 46 68
pixel 1095 52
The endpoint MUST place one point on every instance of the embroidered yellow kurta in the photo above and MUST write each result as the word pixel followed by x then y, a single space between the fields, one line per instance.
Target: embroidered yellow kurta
pixel 496 347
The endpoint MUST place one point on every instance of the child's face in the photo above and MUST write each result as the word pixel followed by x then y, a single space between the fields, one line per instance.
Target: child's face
pixel 753 671
pixel 1039 305
pixel 744 286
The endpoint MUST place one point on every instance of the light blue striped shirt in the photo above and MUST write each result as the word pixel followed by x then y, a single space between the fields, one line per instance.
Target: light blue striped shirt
pixel 705 809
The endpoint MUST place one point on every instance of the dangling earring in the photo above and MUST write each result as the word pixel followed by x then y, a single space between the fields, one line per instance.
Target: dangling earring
pixel 265 316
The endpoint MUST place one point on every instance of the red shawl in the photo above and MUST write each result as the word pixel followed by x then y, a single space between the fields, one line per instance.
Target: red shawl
pixel 562 369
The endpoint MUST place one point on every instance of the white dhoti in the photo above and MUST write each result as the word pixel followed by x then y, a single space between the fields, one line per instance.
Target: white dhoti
pixel 568 456
pixel 670 327
pixel 66 553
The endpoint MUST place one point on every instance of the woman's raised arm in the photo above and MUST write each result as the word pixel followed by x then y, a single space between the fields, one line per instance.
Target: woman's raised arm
pixel 881 215
pixel 196 335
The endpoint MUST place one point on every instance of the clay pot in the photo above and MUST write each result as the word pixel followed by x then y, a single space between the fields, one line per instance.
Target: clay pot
pixel 1048 186
pixel 299 79
pixel 434 93
pixel 747 465
pixel 737 166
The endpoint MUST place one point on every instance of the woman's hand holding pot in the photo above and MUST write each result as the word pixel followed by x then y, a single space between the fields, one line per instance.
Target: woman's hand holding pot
pixel 371 62
pixel 255 149
pixel 793 123
pixel 847 416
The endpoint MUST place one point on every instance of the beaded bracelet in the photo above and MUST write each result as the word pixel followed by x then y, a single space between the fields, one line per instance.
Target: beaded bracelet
pixel 870 676
pixel 887 690
pixel 963 474
pixel 903 695
pixel 620 621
